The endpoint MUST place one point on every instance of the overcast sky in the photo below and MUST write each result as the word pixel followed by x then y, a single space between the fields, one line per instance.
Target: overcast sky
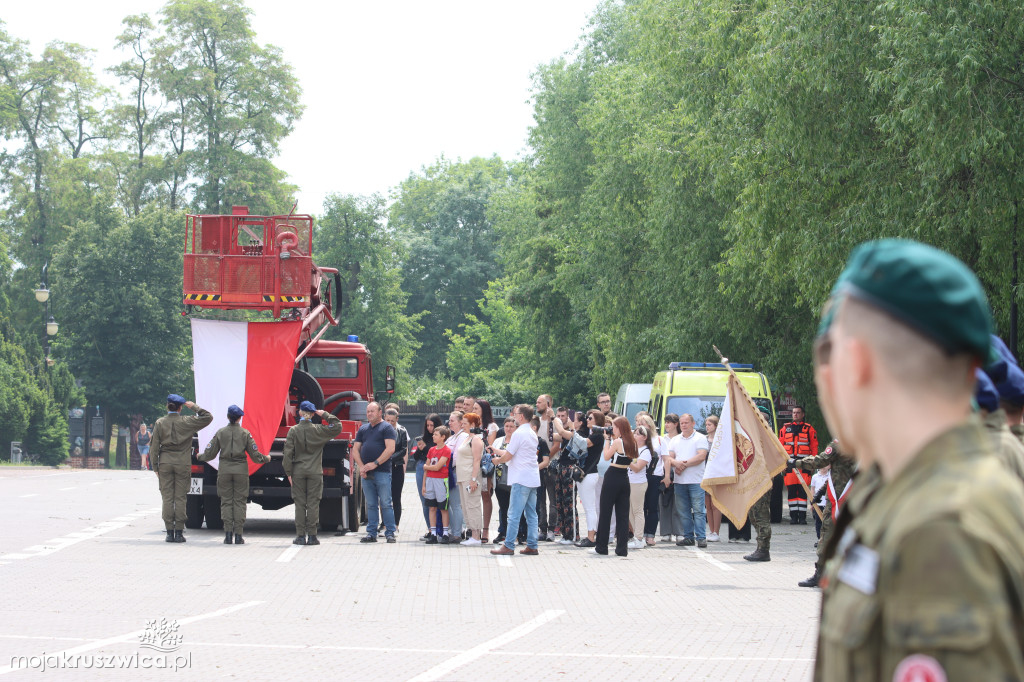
pixel 389 86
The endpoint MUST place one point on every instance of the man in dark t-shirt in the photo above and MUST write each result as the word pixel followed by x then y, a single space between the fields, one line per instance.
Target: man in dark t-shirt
pixel 375 443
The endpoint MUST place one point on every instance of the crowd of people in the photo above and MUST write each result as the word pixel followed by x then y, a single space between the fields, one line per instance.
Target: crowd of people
pixel 628 480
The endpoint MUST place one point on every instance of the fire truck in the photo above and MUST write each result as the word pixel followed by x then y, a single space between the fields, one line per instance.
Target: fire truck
pixel 263 266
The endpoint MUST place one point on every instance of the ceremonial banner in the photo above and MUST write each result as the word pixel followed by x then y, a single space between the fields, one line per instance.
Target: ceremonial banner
pixel 248 364
pixel 744 456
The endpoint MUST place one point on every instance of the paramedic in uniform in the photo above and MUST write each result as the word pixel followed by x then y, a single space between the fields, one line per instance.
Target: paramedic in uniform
pixel 233 443
pixel 170 453
pixel 304 465
pixel 925 575
pixel 800 440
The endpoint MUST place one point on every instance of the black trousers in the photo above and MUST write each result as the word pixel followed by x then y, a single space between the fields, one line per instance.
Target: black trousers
pixel 614 495
pixel 397 483
pixel 652 506
pixel 503 495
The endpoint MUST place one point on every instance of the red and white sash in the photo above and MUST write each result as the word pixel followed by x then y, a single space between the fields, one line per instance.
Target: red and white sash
pixel 831 492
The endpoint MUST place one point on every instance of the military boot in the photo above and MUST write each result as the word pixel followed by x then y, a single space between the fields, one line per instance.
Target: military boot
pixel 238 539
pixel 179 536
pixel 299 540
pixel 170 536
pixel 227 538
pixel 813 580
pixel 312 540
pixel 759 554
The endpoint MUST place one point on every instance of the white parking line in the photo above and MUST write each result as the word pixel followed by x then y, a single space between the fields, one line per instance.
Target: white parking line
pixel 459 660
pixel 713 561
pixel 31 495
pixel 57 544
pixel 289 553
pixel 74 487
pixel 504 561
pixel 99 643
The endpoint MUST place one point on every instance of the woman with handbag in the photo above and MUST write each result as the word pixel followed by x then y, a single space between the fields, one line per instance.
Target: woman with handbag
pixel 638 472
pixel 657 479
pixel 593 431
pixel 502 489
pixel 483 408
pixel 567 475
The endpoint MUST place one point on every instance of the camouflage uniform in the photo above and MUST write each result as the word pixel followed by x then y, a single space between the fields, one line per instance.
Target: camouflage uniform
pixel 304 463
pixel 1008 448
pixel 841 473
pixel 929 570
pixel 761 520
pixel 170 451
pixel 233 442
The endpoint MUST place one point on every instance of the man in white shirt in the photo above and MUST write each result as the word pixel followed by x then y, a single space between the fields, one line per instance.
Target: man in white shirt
pixel 686 456
pixel 524 477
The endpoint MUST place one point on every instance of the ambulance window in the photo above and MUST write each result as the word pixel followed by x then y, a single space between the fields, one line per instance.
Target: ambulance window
pixel 333 368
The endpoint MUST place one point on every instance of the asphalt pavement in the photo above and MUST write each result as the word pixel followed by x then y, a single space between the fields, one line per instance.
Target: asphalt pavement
pixel 92 591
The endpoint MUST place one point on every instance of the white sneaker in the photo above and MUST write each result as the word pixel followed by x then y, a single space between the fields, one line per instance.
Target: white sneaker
pixel 713 537
pixel 471 542
pixel 636 544
pixel 566 541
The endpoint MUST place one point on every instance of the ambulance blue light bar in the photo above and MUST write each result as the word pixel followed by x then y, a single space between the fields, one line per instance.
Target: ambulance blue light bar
pixel 352 338
pixel 704 365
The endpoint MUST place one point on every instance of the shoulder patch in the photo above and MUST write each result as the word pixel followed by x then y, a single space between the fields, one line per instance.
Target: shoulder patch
pixel 828 450
pixel 919 668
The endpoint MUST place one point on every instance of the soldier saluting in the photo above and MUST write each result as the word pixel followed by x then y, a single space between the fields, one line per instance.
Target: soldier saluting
pixel 304 465
pixel 170 451
pixel 233 443
pixel 927 576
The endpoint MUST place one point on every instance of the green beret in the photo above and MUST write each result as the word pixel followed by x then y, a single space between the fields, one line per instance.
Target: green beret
pixel 828 313
pixel 925 288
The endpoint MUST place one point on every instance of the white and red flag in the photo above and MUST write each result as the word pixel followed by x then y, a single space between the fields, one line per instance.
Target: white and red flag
pixel 744 456
pixel 248 364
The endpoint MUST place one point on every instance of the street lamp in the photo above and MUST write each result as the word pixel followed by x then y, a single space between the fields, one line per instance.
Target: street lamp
pixel 49 324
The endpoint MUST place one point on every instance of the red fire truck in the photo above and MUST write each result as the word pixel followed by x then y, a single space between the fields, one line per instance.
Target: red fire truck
pixel 263 265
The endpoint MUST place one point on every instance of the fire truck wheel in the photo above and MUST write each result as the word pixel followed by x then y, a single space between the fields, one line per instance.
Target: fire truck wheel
pixel 194 511
pixel 305 387
pixel 330 513
pixel 211 505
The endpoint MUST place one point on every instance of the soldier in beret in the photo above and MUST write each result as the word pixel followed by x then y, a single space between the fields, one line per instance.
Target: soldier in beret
pixel 170 452
pixel 841 468
pixel 1006 446
pixel 926 579
pixel 233 443
pixel 304 465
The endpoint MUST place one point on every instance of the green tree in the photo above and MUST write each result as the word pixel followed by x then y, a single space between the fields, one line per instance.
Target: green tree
pixel 441 217
pixel 235 101
pixel 353 237
pixel 117 294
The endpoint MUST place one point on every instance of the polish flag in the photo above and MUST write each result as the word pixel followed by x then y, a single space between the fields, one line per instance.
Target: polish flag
pixel 248 364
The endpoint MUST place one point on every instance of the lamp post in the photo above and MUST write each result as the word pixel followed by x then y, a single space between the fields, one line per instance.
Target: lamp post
pixel 49 324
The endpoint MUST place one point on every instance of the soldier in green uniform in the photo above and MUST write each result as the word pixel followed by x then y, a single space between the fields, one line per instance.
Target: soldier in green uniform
pixel 170 452
pixel 761 518
pixel 1007 447
pixel 233 443
pixel 840 473
pixel 304 466
pixel 926 580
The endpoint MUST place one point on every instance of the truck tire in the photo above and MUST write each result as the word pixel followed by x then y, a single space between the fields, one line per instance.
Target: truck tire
pixel 211 506
pixel 330 513
pixel 194 511
pixel 355 505
pixel 304 387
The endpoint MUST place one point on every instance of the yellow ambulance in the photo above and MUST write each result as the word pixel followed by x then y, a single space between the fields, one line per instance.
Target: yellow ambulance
pixel 698 388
